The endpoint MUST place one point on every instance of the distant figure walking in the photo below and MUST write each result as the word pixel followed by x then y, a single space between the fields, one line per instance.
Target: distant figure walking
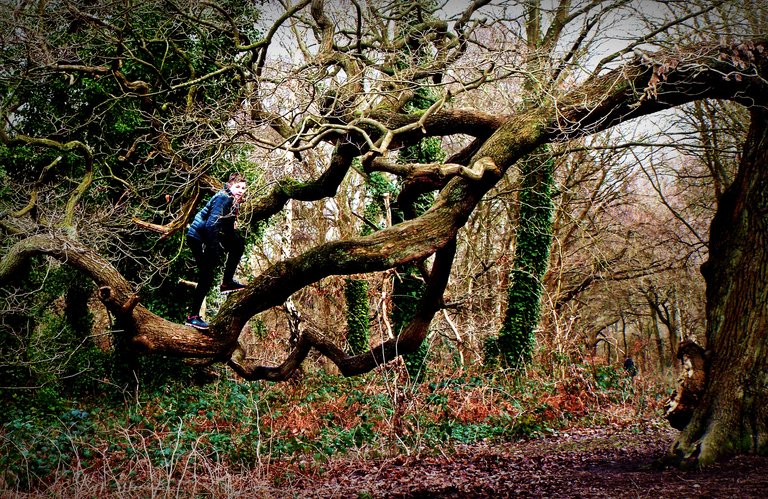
pixel 630 367
pixel 211 234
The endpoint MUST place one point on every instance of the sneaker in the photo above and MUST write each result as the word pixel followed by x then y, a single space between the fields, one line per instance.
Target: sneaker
pixel 231 287
pixel 196 322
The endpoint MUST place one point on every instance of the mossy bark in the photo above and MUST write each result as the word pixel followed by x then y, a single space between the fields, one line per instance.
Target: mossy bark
pixel 358 311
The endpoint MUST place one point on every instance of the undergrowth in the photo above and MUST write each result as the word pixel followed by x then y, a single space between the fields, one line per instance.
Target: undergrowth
pixel 189 438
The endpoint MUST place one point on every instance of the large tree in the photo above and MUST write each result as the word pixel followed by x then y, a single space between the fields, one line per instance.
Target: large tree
pixel 194 87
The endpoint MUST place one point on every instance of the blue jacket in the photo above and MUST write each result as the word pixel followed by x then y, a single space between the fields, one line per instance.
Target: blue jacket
pixel 216 219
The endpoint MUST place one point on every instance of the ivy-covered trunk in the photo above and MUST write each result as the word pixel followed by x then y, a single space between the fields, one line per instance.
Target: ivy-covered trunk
pixel 358 326
pixel 356 290
pixel 407 291
pixel 514 345
pixel 732 412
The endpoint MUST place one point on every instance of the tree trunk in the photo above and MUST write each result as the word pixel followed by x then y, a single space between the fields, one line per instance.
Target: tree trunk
pixel 624 335
pixel 676 332
pixel 657 337
pixel 732 416
pixel 358 311
pixel 643 86
pixel 515 342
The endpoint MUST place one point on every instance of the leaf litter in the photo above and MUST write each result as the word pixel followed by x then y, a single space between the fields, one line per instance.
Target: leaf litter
pixel 605 462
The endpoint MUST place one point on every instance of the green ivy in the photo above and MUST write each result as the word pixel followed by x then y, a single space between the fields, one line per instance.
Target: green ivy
pixel 356 290
pixel 49 342
pixel 36 451
pixel 514 345
pixel 358 328
pixel 408 290
pixel 378 186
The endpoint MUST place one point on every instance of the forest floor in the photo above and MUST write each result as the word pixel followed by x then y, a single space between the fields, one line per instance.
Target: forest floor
pixel 596 462
pixel 585 441
pixel 609 461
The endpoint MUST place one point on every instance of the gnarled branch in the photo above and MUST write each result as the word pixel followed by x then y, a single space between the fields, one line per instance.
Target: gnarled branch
pixel 349 365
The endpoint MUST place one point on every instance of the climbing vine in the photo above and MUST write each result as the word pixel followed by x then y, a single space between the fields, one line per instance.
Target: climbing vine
pixel 358 326
pixel 514 345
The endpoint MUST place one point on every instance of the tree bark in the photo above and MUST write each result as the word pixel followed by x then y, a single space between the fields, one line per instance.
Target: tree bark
pixel 676 332
pixel 732 416
pixel 679 408
pixel 657 335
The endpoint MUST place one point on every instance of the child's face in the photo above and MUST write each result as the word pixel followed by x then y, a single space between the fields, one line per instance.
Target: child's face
pixel 237 189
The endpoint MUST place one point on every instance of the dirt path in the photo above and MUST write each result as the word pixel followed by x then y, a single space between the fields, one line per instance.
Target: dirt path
pixel 604 462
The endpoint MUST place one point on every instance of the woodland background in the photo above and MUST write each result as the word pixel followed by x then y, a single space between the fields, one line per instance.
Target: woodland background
pixel 630 221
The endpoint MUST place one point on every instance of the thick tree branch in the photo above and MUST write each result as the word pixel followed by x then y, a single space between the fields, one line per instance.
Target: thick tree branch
pixel 436 173
pixel 149 333
pixel 323 186
pixel 349 365
pixel 641 87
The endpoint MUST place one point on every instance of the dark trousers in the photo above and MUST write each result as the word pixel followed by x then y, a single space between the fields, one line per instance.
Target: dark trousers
pixel 208 257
